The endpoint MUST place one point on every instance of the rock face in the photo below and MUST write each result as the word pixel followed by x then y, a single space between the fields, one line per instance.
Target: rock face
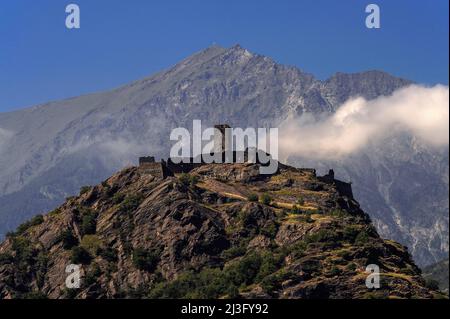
pixel 206 235
pixel 49 151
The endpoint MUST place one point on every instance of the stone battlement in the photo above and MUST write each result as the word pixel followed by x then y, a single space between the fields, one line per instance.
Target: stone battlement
pixel 345 189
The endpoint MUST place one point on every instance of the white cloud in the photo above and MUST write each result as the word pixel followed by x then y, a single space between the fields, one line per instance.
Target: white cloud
pixel 420 111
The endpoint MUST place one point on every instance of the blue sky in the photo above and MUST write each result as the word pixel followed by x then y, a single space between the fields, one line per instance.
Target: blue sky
pixel 120 41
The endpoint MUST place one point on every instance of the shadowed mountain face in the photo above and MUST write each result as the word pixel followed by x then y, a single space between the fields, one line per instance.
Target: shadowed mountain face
pixel 47 152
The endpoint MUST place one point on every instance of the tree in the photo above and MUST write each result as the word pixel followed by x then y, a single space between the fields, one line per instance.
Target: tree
pixel 68 239
pixel 265 199
pixel 89 223
pixel 145 259
pixel 80 256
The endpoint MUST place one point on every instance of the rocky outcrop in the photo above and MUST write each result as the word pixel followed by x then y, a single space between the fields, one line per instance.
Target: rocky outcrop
pixel 206 235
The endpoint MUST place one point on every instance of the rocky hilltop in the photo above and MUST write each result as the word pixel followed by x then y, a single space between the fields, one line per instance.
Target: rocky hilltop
pixel 223 230
pixel 49 151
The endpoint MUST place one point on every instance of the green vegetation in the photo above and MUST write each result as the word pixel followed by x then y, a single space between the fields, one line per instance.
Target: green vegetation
pixel 350 233
pixel 24 250
pixel 351 267
pixel 131 203
pixel 252 198
pixel 145 259
pixel 300 201
pixel 91 243
pixel 338 213
pixel 109 254
pixel 362 238
pixel 270 230
pixel 35 295
pixel 322 235
pixel 6 258
pixel 187 179
pixel 215 282
pixel 92 275
pixel 41 263
pixel 55 212
pixel 335 271
pixel 297 250
pixel 296 210
pixel 85 189
pixel 29 263
pixel 68 239
pixel 70 293
pixel 36 220
pixel 80 256
pixel 118 198
pixel 234 252
pixel 265 199
pixel 88 222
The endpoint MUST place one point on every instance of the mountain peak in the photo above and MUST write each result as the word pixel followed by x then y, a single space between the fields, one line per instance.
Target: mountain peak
pixel 238 49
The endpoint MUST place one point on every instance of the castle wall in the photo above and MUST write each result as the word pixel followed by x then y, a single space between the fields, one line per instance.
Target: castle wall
pixel 178 168
pixel 345 189
pixel 159 170
pixel 146 159
pixel 219 137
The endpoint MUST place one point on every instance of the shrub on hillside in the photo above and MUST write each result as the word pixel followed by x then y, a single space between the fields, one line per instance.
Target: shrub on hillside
pixel 67 239
pixel 80 256
pixel 88 223
pixel 84 189
pixel 362 238
pixel 91 243
pixel 187 179
pixel 36 220
pixel 265 199
pixel 300 201
pixel 145 259
pixel 108 254
pixel 131 203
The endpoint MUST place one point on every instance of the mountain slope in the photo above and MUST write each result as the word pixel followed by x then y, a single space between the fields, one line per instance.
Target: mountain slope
pixel 87 138
pixel 439 274
pixel 203 236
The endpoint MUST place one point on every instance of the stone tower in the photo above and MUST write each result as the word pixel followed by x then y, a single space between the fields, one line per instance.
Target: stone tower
pixel 219 137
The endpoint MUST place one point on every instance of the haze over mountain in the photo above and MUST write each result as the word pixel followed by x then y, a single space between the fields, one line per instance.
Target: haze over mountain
pixel 49 151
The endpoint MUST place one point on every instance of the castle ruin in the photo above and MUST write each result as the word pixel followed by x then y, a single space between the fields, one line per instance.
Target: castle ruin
pixel 163 169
